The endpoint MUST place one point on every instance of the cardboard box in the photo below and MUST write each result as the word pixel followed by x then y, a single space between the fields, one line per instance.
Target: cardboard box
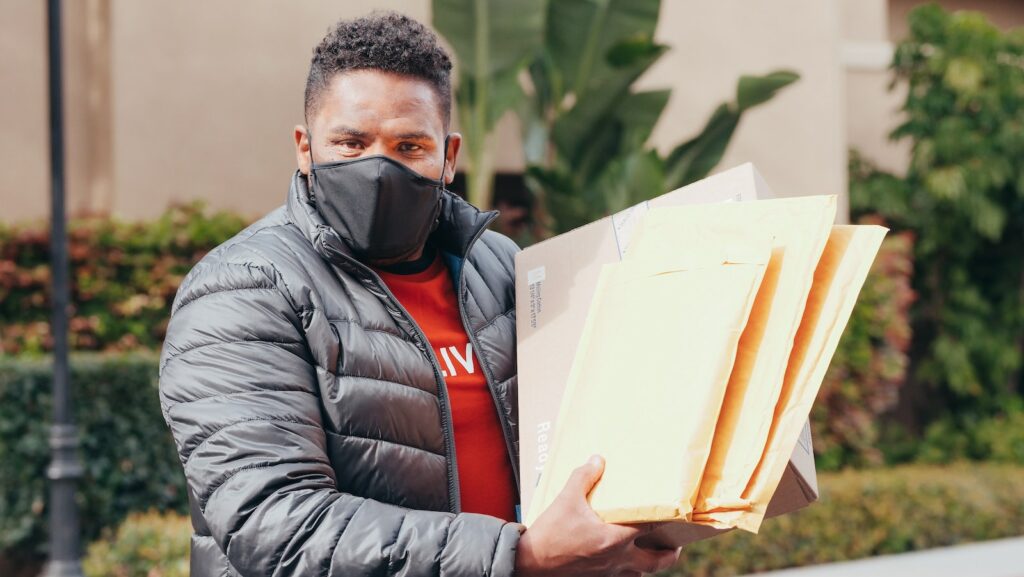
pixel 555 282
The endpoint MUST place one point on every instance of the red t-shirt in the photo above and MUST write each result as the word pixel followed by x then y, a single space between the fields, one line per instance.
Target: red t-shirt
pixel 486 480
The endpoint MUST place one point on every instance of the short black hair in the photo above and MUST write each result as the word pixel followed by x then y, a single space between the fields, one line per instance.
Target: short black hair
pixel 382 40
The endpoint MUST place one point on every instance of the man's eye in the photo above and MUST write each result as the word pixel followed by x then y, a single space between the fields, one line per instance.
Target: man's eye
pixel 350 144
pixel 409 147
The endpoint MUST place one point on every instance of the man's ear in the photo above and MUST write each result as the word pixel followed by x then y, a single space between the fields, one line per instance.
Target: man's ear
pixel 302 144
pixel 454 143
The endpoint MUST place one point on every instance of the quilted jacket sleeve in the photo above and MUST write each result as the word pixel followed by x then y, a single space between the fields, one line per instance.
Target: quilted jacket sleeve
pixel 238 391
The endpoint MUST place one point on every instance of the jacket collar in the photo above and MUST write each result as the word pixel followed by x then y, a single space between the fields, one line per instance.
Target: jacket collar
pixel 460 223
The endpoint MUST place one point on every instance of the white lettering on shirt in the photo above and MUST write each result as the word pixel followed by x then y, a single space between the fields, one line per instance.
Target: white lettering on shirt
pixel 465 361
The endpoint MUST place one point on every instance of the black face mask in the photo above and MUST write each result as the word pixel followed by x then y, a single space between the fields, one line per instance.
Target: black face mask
pixel 382 209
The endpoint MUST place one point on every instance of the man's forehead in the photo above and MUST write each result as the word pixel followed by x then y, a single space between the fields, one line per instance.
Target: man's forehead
pixel 365 100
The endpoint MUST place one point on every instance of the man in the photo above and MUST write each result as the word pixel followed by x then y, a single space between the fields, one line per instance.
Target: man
pixel 324 369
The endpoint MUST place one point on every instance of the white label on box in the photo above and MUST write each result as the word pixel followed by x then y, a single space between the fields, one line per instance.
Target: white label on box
pixel 536 275
pixel 624 223
pixel 535 281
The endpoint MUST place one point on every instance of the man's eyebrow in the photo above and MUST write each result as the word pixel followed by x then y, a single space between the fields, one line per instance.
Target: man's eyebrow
pixel 342 130
pixel 413 136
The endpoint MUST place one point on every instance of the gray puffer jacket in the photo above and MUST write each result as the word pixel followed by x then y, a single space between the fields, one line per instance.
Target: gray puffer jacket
pixel 310 414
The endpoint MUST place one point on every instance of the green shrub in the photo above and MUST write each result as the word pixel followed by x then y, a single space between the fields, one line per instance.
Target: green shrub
pixel 963 198
pixel 130 461
pixel 873 512
pixel 124 276
pixel 145 545
pixel 998 438
pixel 869 366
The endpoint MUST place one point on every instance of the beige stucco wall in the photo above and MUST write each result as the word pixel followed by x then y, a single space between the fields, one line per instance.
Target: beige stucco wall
pixel 796 140
pixel 207 95
pixel 23 114
pixel 872 110
pixel 24 109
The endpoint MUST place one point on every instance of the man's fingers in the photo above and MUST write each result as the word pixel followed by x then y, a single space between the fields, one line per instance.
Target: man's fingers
pixel 669 557
pixel 583 479
pixel 627 533
pixel 651 561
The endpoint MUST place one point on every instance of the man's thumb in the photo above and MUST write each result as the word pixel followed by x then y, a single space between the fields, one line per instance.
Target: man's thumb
pixel 584 477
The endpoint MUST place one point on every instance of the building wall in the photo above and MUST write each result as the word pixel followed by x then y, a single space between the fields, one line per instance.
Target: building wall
pixel 24 137
pixel 872 108
pixel 797 140
pixel 207 96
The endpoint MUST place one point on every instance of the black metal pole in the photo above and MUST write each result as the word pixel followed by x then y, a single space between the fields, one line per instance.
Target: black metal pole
pixel 65 468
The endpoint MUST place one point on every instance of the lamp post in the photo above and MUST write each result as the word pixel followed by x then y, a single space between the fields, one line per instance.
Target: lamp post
pixel 65 468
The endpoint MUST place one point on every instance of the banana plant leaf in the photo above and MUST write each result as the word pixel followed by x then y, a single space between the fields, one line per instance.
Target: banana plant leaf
pixel 493 41
pixel 581 34
pixel 694 159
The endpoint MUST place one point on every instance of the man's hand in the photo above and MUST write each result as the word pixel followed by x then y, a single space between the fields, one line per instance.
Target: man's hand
pixel 570 540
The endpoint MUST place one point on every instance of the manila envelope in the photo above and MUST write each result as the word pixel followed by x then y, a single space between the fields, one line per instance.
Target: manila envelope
pixel 838 278
pixel 800 229
pixel 555 283
pixel 653 364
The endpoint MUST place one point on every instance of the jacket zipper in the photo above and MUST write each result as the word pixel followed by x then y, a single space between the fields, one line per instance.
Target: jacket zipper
pixel 454 498
pixel 491 383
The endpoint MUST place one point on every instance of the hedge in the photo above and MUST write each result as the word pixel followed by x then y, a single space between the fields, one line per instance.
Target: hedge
pixel 860 514
pixel 874 512
pixel 124 276
pixel 129 457
pixel 147 544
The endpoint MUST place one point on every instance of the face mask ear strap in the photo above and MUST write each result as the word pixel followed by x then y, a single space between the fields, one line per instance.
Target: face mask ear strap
pixel 444 161
pixel 309 177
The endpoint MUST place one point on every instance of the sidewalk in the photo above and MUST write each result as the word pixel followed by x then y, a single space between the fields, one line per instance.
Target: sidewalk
pixel 1000 558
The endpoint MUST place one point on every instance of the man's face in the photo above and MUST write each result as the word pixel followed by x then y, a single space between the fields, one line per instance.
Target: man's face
pixel 371 112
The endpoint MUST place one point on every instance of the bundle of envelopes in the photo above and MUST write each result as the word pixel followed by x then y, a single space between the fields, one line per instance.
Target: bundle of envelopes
pixel 700 357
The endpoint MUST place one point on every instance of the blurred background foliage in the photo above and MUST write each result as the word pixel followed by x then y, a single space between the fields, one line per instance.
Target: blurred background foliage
pixel 129 458
pixel 962 199
pixel 928 371
pixel 149 544
pixel 124 278
pixel 912 507
pixel 568 72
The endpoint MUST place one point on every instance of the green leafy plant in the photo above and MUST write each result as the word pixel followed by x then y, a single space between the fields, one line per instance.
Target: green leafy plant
pixel 124 277
pixel 584 127
pixel 493 41
pixel 149 544
pixel 873 512
pixel 998 438
pixel 963 199
pixel 129 458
